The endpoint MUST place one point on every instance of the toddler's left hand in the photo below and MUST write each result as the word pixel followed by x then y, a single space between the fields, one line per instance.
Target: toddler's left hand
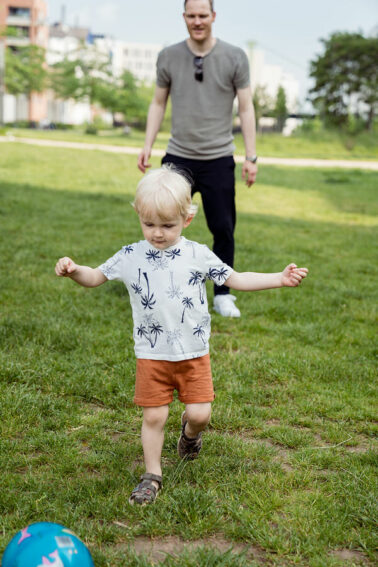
pixel 292 276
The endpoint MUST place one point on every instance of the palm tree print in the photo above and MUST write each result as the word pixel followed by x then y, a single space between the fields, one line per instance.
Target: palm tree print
pixel 136 286
pixel 153 255
pixel 155 330
pixel 156 259
pixel 199 331
pixel 142 331
pixel 188 304
pixel 173 291
pixel 217 273
pixel 148 299
pixel 150 329
pixel 173 253
pixel 198 279
pixel 127 249
pixel 173 338
pixel 109 265
pixel 191 244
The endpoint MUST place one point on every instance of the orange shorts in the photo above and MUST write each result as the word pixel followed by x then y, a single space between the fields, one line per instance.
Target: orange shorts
pixel 157 379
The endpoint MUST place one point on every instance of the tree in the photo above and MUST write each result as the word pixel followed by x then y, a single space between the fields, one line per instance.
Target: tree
pixel 346 78
pixel 24 70
pixel 280 109
pixel 80 74
pixel 134 99
pixel 262 103
pixel 87 74
pixel 66 80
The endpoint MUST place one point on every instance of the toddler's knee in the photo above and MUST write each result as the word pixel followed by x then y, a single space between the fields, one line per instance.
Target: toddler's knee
pixel 198 416
pixel 155 417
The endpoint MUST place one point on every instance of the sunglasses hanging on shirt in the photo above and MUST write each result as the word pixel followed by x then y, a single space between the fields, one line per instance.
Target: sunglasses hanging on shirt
pixel 198 65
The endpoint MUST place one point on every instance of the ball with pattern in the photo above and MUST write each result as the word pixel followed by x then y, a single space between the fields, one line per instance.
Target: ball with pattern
pixel 43 544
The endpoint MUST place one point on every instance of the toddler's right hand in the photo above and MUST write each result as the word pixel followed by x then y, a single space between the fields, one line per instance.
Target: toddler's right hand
pixel 65 267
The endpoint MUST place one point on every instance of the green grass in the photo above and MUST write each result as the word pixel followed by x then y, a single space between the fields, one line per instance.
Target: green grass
pixel 287 476
pixel 112 136
pixel 326 144
pixel 321 145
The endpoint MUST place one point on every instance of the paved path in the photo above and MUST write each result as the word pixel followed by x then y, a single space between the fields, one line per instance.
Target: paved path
pixel 292 162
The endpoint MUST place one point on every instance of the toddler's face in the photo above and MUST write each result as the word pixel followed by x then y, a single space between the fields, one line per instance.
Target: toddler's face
pixel 163 233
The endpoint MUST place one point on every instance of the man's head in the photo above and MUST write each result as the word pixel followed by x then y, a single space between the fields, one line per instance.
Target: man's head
pixel 211 2
pixel 199 17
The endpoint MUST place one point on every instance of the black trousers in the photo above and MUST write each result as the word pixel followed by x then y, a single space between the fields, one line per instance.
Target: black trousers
pixel 215 180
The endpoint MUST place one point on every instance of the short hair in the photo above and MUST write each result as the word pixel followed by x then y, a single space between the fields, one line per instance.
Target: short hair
pixel 211 2
pixel 163 190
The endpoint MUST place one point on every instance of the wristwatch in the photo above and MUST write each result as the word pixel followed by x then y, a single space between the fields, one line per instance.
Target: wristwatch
pixel 252 159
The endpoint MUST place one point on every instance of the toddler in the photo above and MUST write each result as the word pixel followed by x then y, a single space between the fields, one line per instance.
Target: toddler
pixel 165 275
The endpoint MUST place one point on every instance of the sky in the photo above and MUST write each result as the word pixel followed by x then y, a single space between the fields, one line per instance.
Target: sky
pixel 289 31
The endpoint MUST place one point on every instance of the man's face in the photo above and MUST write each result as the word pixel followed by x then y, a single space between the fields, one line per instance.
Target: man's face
pixel 199 19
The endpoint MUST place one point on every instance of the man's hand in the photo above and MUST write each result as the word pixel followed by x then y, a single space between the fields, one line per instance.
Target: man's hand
pixel 65 267
pixel 143 159
pixel 249 172
pixel 292 276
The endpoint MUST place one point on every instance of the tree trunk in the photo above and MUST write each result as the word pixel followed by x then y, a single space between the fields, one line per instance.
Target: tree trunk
pixel 370 118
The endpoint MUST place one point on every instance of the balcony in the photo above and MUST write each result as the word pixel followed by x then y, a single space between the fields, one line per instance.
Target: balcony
pixel 18 21
pixel 17 41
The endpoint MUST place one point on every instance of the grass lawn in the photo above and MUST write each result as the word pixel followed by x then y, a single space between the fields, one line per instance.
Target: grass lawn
pixel 320 145
pixel 287 476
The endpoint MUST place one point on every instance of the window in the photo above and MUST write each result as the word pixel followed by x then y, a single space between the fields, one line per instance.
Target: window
pixel 19 12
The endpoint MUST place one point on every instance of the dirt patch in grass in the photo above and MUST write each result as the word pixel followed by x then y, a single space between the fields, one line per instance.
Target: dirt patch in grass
pixel 352 555
pixel 273 422
pixel 362 447
pixel 282 455
pixel 285 466
pixel 116 435
pixel 356 449
pixel 136 464
pixel 156 549
pixel 266 442
pixel 94 407
pixel 85 448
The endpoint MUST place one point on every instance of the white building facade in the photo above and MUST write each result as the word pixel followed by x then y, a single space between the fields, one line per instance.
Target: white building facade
pixel 65 42
pixel 271 77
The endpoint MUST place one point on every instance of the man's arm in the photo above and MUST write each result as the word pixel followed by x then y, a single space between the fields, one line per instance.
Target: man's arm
pixel 254 281
pixel 154 119
pixel 83 275
pixel 248 126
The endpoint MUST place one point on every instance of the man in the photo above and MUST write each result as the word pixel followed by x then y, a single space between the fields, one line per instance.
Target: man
pixel 202 75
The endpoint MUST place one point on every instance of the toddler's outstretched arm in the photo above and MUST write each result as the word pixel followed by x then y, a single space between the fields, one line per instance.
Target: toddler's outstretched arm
pixel 83 275
pixel 254 281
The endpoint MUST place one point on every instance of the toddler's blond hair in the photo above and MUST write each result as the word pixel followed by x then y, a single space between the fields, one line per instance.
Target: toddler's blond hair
pixel 162 191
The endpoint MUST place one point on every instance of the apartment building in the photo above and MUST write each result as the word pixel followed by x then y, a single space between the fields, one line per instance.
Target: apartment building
pixel 271 77
pixel 64 41
pixel 26 22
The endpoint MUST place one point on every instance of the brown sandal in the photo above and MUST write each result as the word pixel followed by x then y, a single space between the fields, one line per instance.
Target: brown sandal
pixel 188 447
pixel 146 492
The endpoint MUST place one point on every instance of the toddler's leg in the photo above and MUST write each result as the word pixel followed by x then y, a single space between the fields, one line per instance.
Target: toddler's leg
pixel 197 417
pixel 154 420
pixel 193 420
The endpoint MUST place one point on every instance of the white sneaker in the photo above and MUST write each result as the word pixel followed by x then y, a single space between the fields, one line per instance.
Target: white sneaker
pixel 225 306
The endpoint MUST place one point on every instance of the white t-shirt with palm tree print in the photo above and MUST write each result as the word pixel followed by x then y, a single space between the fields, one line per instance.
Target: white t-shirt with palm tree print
pixel 168 296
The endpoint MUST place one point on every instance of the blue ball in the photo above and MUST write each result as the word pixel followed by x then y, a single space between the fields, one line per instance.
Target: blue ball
pixel 43 544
